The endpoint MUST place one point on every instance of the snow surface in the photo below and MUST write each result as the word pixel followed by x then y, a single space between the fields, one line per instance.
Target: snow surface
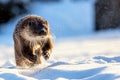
pixel 94 56
pixel 87 58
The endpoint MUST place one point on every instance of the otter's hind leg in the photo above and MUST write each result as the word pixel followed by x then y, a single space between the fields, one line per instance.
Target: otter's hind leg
pixel 18 54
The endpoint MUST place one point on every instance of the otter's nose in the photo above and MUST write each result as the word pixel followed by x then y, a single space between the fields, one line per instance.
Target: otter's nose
pixel 42 31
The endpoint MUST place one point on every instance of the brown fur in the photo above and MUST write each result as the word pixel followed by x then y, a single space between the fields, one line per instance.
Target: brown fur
pixel 30 45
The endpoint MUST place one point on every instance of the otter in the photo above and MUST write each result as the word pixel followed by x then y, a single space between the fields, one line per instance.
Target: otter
pixel 32 39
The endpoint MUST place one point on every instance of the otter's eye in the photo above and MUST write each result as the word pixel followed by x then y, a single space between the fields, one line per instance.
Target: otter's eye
pixel 32 24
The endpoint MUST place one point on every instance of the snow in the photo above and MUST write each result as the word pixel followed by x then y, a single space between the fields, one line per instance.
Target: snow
pixel 83 58
pixel 86 55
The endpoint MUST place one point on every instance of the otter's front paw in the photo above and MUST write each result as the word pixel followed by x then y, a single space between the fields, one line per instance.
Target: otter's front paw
pixel 46 55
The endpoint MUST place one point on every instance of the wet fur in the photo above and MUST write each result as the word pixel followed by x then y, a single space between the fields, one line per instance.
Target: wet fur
pixel 28 46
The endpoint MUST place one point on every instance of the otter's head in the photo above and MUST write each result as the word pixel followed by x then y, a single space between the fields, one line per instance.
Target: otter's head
pixel 35 26
pixel 38 28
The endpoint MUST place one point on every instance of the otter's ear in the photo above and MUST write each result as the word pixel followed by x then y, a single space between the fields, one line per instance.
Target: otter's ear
pixel 46 22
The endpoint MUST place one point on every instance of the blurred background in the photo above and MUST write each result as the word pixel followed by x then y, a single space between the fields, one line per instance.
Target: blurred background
pixel 81 29
pixel 67 18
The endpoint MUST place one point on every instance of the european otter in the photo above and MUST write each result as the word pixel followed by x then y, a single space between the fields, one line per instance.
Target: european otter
pixel 32 39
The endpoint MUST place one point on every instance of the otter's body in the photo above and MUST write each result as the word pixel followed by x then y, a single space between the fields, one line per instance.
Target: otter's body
pixel 32 39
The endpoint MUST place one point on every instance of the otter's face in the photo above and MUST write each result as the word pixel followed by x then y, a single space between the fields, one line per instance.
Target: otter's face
pixel 39 29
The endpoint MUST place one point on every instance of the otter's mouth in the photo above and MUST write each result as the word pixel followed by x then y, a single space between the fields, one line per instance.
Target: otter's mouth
pixel 42 36
pixel 42 33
